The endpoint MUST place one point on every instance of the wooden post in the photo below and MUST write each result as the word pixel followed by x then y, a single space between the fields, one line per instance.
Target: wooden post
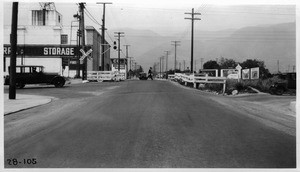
pixel 224 87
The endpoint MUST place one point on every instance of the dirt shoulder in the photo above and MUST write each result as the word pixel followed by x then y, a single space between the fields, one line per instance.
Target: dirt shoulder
pixel 273 111
pixel 277 112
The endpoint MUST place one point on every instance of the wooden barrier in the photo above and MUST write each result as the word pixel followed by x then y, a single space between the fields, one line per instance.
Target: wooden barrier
pixel 197 79
pixel 103 76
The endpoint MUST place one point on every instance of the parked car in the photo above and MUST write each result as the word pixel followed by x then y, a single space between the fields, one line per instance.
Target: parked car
pixel 26 74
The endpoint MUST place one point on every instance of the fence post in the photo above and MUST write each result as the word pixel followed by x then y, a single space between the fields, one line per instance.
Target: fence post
pixel 224 86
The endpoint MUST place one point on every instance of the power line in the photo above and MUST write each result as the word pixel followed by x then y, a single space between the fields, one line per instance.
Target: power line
pixel 91 17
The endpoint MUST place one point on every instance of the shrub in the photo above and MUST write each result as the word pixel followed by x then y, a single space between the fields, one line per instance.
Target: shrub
pixel 262 85
pixel 214 87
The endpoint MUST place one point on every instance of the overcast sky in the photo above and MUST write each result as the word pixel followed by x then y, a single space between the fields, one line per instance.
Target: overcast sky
pixel 166 17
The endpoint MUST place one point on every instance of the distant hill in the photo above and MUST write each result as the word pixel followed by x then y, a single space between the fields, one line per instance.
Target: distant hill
pixel 268 43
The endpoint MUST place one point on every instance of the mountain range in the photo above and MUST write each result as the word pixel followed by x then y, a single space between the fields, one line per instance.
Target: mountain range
pixel 273 44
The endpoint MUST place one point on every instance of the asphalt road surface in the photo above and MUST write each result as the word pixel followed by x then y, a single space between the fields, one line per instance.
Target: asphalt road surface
pixel 140 124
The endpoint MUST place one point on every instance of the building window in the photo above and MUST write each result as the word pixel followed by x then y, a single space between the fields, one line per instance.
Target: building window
pixel 64 39
pixel 37 18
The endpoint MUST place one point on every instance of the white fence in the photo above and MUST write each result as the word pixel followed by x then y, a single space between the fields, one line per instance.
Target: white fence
pixel 105 76
pixel 197 79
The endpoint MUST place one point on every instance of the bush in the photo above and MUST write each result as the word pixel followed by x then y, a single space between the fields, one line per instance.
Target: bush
pixel 262 85
pixel 214 87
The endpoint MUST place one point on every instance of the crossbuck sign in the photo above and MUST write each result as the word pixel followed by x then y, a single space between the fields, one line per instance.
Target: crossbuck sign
pixel 84 55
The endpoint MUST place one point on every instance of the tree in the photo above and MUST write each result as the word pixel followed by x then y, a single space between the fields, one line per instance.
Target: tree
pixel 252 63
pixel 211 65
pixel 227 63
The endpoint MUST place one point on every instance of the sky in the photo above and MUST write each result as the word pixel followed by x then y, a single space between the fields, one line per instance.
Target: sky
pixel 166 17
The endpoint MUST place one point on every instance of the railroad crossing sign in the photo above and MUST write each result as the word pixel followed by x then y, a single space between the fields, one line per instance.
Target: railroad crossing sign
pixel 84 55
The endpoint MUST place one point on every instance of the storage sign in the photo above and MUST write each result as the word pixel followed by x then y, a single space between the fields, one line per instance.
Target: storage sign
pixel 59 51
pixel 45 50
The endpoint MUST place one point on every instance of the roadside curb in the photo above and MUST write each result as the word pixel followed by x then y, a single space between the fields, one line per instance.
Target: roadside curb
pixel 24 102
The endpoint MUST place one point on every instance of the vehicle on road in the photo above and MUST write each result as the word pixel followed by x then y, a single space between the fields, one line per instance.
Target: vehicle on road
pixel 278 88
pixel 31 74
pixel 143 76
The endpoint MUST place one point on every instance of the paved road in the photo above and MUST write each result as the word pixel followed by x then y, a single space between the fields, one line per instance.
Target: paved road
pixel 142 124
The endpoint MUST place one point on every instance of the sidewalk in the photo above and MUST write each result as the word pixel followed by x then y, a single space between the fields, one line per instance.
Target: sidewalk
pixel 23 102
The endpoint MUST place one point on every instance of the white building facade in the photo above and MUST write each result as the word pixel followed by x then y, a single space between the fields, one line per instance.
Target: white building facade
pixel 43 40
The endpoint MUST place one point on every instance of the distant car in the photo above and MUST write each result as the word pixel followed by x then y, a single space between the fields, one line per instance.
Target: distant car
pixel 35 75
pixel 278 88
pixel 143 76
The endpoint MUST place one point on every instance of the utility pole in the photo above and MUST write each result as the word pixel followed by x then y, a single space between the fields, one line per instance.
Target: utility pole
pixel 175 44
pixel 160 65
pixel 119 50
pixel 179 66
pixel 103 34
pixel 13 56
pixel 167 53
pixel 127 60
pixel 201 60
pixel 135 68
pixel 130 66
pixel 78 18
pixel 294 67
pixel 192 35
pixel 278 65
pixel 82 30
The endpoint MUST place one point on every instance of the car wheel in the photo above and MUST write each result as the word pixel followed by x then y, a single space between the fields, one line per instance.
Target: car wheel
pixel 279 91
pixel 20 85
pixel 59 83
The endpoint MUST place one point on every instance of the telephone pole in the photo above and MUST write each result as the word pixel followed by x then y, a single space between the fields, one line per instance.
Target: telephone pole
pixel 160 65
pixel 119 50
pixel 103 34
pixel 13 56
pixel 179 66
pixel 175 44
pixel 192 34
pixel 278 65
pixel 167 53
pixel 130 71
pixel 82 30
pixel 127 60
pixel 294 68
pixel 201 60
